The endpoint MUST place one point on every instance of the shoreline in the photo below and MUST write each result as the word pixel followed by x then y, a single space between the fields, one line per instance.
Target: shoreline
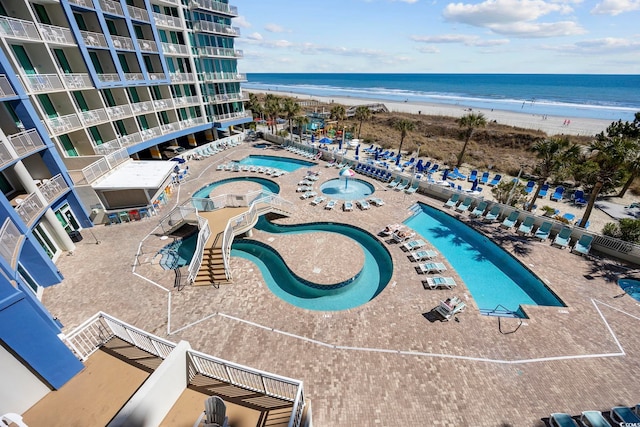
pixel 551 125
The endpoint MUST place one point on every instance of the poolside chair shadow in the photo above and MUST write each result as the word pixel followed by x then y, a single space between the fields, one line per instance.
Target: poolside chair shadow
pixel 432 316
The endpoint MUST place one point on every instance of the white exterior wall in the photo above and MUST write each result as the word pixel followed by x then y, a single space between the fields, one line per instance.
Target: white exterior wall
pixel 19 388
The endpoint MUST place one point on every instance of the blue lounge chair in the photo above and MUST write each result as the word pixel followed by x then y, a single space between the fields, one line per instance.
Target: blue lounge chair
pixel 413 188
pixel 452 200
pixel 594 419
pixel 484 178
pixel 409 163
pixel 493 214
pixel 472 176
pixel 526 226
pixel 464 206
pixel 496 180
pixel 578 198
pixel 543 191
pixel 583 245
pixel 510 221
pixel 395 182
pixel 557 194
pixel 404 184
pixel 479 210
pixel 529 187
pixel 543 231
pixel 560 419
pixel 568 216
pixel 563 237
pixel 624 415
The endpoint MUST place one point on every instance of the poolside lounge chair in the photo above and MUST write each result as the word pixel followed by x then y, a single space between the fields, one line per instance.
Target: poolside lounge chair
pixel 304 189
pixel 308 195
pixel 331 204
pixel 403 184
pixel 439 282
pixel 624 415
pixel 479 210
pixel 510 221
pixel 318 200
pixel 215 412
pixel 450 307
pixel 394 183
pixel 400 236
pixel 557 194
pixel 583 245
pixel 472 176
pixel 432 267
pixel 560 419
pixel 413 188
pixel 594 419
pixel 493 214
pixel 452 200
pixel 543 231
pixel 376 201
pixel 464 206
pixel 414 244
pixel 347 206
pixel 496 180
pixel 578 198
pixel 526 226
pixel 529 187
pixel 484 179
pixel 562 239
pixel 363 204
pixel 424 254
pixel 543 191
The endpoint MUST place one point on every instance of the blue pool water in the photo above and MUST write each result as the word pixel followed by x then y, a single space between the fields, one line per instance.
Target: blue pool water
pixel 343 189
pixel 372 279
pixel 283 163
pixel 492 275
pixel 266 184
pixel 630 287
pixel 179 253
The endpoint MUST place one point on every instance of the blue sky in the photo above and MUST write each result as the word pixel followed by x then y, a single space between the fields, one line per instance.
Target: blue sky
pixel 431 36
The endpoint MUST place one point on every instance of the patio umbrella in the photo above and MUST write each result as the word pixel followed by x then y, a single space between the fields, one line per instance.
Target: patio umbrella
pixel 346 173
pixel 326 140
pixel 474 186
pixel 445 174
pixel 398 158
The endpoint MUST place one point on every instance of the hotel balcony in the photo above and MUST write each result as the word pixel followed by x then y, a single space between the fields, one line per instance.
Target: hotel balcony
pixel 223 77
pixel 148 45
pixel 214 6
pixel 119 111
pixel 19 29
pixel 133 77
pixel 94 39
pixel 232 116
pixel 6 90
pixel 122 43
pixel 168 2
pixel 57 35
pixel 109 78
pixel 174 49
pixel 131 375
pixel 84 3
pixel 94 117
pixel 90 173
pixel 37 83
pixel 182 77
pixel 228 97
pixel 30 206
pixel 10 239
pixel 19 145
pixel 219 52
pixel 213 27
pixel 111 7
pixel 157 76
pixel 167 21
pixel 63 124
pixel 138 14
pixel 163 104
pixel 185 100
pixel 77 81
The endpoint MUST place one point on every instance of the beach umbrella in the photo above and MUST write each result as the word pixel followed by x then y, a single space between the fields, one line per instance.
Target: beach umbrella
pixel 376 155
pixel 445 174
pixel 346 173
pixel 474 186
pixel 357 150
pixel 326 140
pixel 398 158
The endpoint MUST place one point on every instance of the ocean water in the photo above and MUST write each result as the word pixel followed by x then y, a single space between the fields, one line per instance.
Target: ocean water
pixel 597 96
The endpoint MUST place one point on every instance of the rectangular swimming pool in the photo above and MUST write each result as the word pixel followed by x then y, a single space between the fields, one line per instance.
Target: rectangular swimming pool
pixel 493 276
pixel 284 163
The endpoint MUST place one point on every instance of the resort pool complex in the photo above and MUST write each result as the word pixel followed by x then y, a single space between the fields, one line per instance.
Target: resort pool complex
pixel 496 280
pixel 347 189
pixel 267 185
pixel 283 163
pixel 367 284
pixel 630 287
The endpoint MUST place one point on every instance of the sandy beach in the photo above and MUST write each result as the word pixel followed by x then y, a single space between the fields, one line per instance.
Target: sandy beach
pixel 552 125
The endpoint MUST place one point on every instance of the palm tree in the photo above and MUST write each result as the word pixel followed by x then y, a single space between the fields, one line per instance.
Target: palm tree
pixel 362 113
pixel 469 123
pixel 291 109
pixel 404 126
pixel 554 155
pixel 632 132
pixel 301 121
pixel 254 105
pixel 338 112
pixel 609 155
pixel 272 109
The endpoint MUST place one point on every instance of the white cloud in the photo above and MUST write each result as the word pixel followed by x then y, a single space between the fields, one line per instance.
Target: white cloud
pixel 428 49
pixel 467 40
pixel 539 30
pixel 615 7
pixel 255 36
pixel 274 28
pixel 607 45
pixel 405 1
pixel 242 22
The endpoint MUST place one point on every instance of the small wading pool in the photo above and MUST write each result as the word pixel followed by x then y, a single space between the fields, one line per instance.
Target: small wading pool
pixel 630 287
pixel 284 163
pixel 347 188
pixel 266 184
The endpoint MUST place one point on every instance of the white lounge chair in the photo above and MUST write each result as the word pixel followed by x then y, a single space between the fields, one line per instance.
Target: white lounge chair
pixel 401 236
pixel 318 200
pixel 308 195
pixel 375 201
pixel 424 254
pixel 439 282
pixel 347 206
pixel 432 267
pixel 450 307
pixel 414 244
pixel 331 204
pixel 363 204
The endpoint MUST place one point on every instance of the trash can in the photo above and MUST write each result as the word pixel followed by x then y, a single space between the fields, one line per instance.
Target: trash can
pixel 75 236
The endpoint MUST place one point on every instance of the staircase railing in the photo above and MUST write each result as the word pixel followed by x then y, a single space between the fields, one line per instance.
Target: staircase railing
pixel 204 233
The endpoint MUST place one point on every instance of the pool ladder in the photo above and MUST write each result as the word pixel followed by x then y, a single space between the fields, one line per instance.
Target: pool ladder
pixel 501 311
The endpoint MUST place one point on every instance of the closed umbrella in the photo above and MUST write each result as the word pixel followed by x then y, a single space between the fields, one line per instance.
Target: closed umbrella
pixel 376 155
pixel 357 151
pixel 340 144
pixel 398 159
pixel 474 186
pixel 313 138
pixel 445 174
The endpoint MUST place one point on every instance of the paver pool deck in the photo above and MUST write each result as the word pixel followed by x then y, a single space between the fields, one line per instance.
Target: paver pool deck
pixel 384 362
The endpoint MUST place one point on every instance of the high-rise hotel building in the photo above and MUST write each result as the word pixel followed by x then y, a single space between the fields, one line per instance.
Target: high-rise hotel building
pixel 90 88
